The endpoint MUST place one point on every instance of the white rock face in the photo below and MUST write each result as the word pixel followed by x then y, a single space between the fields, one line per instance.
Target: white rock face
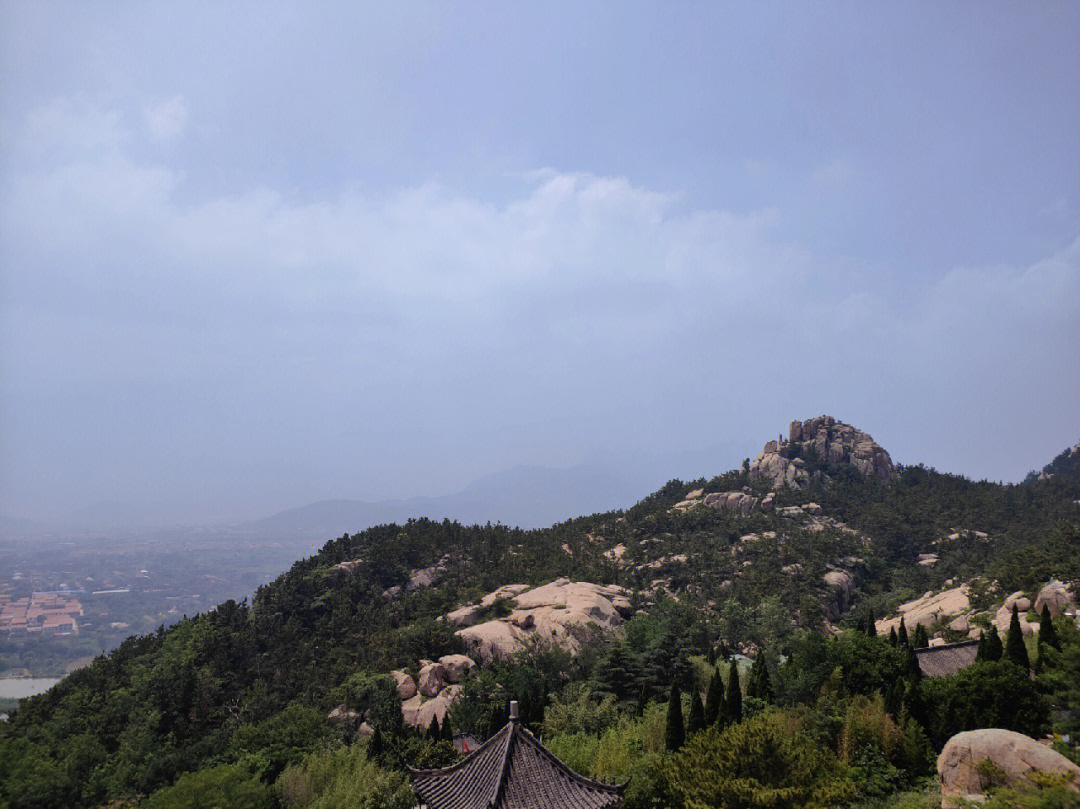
pixel 406 685
pixel 431 679
pixel 550 613
pixel 506 591
pixel 464 616
pixel 832 441
pixel 1016 754
pixel 928 609
pixel 410 709
pixel 456 667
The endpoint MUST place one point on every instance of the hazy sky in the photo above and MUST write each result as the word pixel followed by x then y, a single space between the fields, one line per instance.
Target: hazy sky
pixel 259 254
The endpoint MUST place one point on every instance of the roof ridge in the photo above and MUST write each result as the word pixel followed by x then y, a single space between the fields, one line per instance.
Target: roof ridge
pixel 504 765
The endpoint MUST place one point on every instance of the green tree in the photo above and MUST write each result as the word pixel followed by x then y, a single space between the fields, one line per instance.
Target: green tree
pixel 980 655
pixel 901 634
pixel 433 731
pixel 758 685
pixel 994 649
pixel 223 787
pixel 675 730
pixel 871 624
pixel 1015 649
pixel 766 761
pixel 696 720
pixel 1047 633
pixel 892 636
pixel 714 698
pixel 920 639
pixel 616 673
pixel 733 697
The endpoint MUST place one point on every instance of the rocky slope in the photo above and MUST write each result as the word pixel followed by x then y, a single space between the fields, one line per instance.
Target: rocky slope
pixel 820 440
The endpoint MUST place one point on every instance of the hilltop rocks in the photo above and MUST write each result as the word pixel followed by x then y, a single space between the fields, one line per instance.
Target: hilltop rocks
pixel 464 616
pixel 406 685
pixel 1015 754
pixel 825 439
pixel 348 567
pixel 1003 618
pixel 1056 596
pixel 738 502
pixel 556 612
pixel 928 610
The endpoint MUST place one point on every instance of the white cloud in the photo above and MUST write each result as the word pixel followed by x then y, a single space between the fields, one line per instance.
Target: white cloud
pixel 168 119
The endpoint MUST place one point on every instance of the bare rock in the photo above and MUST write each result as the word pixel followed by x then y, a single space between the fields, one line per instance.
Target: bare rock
pixel 557 612
pixel 406 685
pixel 366 729
pixel 1003 617
pixel 846 584
pixel 507 591
pixel 431 679
pixel 812 508
pixel 1015 754
pixel 928 610
pixel 464 616
pixel 1056 596
pixel 410 708
pixel 829 440
pixel 349 566
pixel 960 624
pixel 456 667
pixel 341 714
pixel 695 494
pixel 432 709
pixel 738 502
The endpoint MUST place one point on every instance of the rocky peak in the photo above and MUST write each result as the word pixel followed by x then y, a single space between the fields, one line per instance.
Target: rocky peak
pixel 785 462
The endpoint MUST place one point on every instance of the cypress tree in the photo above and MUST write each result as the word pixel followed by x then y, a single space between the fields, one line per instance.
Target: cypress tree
pixel 920 641
pixel 696 722
pixel 1015 650
pixel 758 685
pixel 994 649
pixel 714 698
pixel 375 746
pixel 892 636
pixel 733 698
pixel 447 732
pixel 894 697
pixel 911 664
pixel 1047 631
pixel 616 673
pixel 901 635
pixel 675 731
pixel 871 624
pixel 433 729
pixel 980 655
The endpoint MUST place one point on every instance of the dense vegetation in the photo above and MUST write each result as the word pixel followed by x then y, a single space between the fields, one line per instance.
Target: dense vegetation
pixel 233 703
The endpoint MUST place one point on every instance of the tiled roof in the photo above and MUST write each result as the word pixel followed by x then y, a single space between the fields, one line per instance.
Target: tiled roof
pixel 940 661
pixel 512 770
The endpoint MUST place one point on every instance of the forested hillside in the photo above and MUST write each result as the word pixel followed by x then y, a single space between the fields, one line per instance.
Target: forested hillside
pixel 234 702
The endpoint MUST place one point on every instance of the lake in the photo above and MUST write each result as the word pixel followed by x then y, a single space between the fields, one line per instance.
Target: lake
pixel 20 687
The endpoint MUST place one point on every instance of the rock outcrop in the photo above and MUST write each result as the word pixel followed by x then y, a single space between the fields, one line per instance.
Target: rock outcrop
pixel 406 685
pixel 1013 754
pixel 456 667
pixel 825 439
pixel 1056 596
pixel 431 680
pixel 928 610
pixel 1003 618
pixel 558 612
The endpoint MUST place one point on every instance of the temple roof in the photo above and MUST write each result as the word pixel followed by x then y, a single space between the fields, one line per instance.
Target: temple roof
pixel 512 770
pixel 940 661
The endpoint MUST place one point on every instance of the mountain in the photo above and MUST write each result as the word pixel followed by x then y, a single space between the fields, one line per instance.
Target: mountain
pixel 818 533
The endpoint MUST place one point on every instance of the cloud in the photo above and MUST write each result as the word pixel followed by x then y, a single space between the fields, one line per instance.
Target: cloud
pixel 425 332
pixel 167 119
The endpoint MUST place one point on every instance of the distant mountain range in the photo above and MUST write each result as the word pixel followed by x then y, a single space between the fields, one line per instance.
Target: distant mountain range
pixel 525 496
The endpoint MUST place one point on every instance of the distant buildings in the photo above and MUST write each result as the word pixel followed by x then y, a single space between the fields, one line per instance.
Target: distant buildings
pixel 40 614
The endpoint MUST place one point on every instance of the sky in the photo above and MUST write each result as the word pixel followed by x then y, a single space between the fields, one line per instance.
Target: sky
pixel 259 254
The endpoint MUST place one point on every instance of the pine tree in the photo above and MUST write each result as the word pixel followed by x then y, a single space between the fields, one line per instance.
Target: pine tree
pixel 911 664
pixel 714 698
pixel 1015 650
pixel 696 721
pixel 980 655
pixel 433 729
pixel 892 637
pixel 759 685
pixel 920 640
pixel 616 674
pixel 1047 631
pixel 994 649
pixel 675 731
pixel 871 624
pixel 894 697
pixel 733 697
pixel 901 635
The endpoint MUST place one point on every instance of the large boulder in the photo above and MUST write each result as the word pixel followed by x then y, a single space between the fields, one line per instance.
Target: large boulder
pixel 410 710
pixel 431 680
pixel 842 580
pixel 558 612
pixel 1056 596
pixel 738 502
pixel 456 667
pixel 1013 754
pixel 928 610
pixel 506 592
pixel 406 685
pixel 1003 617
pixel 342 715
pixel 781 462
pixel 464 616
